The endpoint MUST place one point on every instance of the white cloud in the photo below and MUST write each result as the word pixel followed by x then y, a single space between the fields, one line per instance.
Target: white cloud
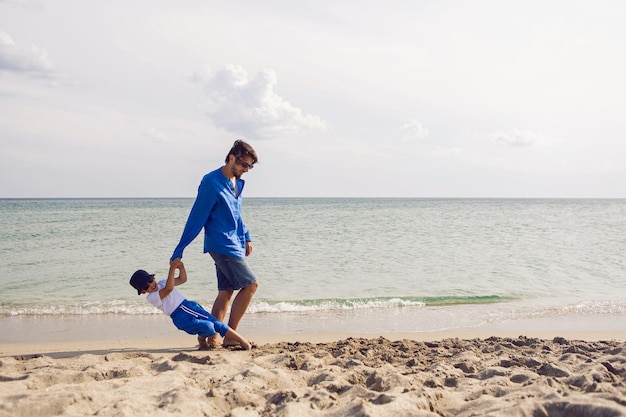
pixel 156 136
pixel 430 91
pixel 519 138
pixel 413 131
pixel 24 3
pixel 249 106
pixel 29 59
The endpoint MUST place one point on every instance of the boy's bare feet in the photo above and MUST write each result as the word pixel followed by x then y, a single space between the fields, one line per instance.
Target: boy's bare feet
pixel 203 344
pixel 214 341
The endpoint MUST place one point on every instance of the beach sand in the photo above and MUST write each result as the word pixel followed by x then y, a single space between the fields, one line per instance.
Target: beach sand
pixel 466 373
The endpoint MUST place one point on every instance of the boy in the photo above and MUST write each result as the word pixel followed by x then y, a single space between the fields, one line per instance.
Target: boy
pixel 187 315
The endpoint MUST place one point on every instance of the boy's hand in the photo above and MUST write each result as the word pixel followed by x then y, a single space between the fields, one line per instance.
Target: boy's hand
pixel 182 274
pixel 176 263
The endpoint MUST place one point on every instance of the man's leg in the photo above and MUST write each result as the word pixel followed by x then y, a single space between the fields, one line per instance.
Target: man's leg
pixel 220 307
pixel 239 307
pixel 233 273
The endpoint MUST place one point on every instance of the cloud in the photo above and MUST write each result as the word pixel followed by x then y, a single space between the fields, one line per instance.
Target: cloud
pixel 413 131
pixel 156 136
pixel 23 59
pixel 249 106
pixel 24 3
pixel 519 138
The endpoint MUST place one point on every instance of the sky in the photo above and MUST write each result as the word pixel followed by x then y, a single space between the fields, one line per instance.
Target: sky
pixel 393 98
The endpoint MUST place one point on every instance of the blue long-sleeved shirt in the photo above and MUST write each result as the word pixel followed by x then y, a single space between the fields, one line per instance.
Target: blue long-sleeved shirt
pixel 218 210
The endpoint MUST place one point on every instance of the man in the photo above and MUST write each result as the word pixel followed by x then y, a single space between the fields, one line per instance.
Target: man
pixel 218 209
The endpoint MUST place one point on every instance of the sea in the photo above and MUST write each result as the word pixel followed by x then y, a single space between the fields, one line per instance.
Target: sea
pixel 325 265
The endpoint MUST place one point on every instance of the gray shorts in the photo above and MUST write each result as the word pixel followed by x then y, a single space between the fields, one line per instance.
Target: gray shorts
pixel 232 273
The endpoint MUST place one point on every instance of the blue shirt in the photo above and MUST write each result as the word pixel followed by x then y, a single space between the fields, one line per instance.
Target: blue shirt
pixel 218 210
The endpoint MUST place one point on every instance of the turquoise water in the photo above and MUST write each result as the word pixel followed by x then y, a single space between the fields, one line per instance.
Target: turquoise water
pixel 514 258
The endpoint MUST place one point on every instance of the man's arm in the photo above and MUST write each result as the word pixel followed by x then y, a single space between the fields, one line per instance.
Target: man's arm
pixel 246 234
pixel 198 216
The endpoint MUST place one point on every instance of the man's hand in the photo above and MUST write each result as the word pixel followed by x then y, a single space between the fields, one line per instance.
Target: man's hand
pixel 176 263
pixel 248 248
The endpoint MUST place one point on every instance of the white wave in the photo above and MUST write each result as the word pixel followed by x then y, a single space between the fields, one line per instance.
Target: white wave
pixel 322 305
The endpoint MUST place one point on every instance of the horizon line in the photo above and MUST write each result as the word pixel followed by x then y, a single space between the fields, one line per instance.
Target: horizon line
pixel 333 197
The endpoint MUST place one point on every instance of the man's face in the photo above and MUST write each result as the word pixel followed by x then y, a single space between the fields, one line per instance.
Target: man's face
pixel 241 165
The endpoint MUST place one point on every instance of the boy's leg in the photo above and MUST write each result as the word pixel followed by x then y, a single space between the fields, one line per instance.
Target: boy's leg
pixel 188 317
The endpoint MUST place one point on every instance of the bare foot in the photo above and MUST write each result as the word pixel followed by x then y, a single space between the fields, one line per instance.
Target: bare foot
pixel 203 344
pixel 232 344
pixel 214 341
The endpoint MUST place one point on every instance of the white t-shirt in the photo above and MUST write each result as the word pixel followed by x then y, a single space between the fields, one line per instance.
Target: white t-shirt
pixel 169 303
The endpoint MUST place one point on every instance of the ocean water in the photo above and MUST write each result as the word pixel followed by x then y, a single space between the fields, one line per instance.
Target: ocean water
pixel 328 264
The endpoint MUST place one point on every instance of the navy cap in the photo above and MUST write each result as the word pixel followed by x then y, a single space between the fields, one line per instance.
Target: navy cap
pixel 140 280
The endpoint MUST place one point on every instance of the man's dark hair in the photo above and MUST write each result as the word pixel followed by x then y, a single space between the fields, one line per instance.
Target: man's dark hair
pixel 241 149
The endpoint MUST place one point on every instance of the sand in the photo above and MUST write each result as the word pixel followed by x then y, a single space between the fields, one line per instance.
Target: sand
pixel 319 375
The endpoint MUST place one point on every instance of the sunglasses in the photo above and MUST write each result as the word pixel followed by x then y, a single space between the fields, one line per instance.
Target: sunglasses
pixel 244 163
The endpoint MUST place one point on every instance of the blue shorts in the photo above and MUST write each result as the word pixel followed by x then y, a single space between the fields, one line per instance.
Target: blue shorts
pixel 232 273
pixel 190 317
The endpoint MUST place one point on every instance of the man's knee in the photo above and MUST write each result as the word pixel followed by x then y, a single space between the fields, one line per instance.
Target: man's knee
pixel 252 287
pixel 224 295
